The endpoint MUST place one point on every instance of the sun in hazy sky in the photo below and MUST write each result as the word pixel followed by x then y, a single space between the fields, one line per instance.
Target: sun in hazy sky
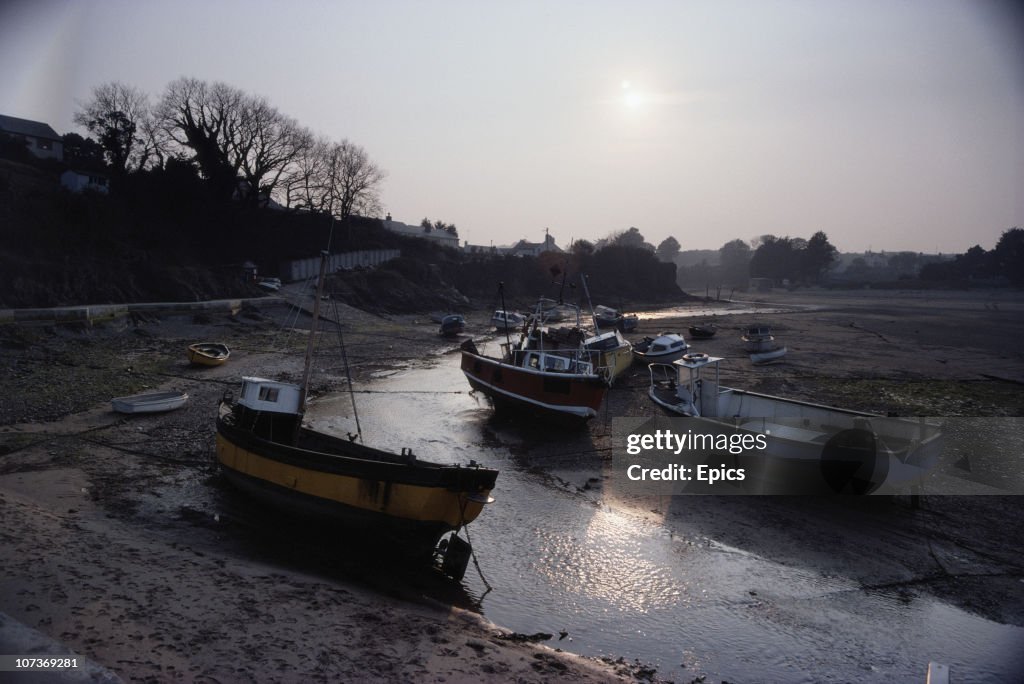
pixel 631 97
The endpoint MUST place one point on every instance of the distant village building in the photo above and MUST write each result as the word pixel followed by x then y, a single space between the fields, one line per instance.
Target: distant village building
pixel 80 181
pixel 41 140
pixel 442 237
pixel 520 249
pixel 485 250
pixel 525 248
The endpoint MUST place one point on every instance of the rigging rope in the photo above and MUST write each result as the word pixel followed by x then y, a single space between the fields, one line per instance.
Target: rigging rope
pixel 348 373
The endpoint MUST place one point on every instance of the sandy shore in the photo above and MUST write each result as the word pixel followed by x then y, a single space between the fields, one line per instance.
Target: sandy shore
pixel 105 549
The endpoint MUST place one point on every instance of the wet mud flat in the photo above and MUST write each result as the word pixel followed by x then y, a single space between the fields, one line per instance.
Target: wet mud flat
pixel 777 588
pixel 120 540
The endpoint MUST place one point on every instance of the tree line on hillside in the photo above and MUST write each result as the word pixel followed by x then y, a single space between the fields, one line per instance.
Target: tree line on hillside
pixel 815 261
pixel 779 259
pixel 666 250
pixel 617 275
pixel 238 144
pixel 1002 264
pixel 896 267
pixel 191 177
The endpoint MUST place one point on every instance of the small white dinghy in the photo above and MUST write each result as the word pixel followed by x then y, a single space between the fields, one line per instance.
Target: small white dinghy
pixel 150 402
pixel 768 356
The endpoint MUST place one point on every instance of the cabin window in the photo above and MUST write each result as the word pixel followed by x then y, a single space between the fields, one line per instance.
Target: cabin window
pixel 534 361
pixel 677 345
pixel 268 394
pixel 657 347
pixel 555 363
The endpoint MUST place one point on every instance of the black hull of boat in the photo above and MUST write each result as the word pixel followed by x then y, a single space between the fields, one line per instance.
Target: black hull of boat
pixel 378 493
pixel 414 539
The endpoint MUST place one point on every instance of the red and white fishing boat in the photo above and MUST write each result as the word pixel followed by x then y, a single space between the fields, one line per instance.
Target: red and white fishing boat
pixel 547 371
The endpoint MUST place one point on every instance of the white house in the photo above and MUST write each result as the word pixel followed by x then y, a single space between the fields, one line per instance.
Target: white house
pixel 485 250
pixel 79 181
pixel 524 248
pixel 41 140
pixel 521 248
pixel 440 236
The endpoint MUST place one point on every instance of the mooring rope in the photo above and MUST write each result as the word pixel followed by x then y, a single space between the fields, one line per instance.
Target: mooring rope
pixel 472 550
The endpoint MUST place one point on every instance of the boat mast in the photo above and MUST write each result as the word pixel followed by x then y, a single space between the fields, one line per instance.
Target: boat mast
pixel 307 370
pixel 501 295
pixel 593 316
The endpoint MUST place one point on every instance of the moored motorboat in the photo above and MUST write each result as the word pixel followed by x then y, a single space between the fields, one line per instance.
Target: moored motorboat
pixel 264 451
pixel 702 332
pixel 555 311
pixel 419 506
pixel 769 356
pixel 507 320
pixel 452 325
pixel 208 353
pixel 150 402
pixel 614 353
pixel 607 317
pixel 628 322
pixel 664 348
pixel 547 371
pixel 761 345
pixel 808 448
pixel 759 338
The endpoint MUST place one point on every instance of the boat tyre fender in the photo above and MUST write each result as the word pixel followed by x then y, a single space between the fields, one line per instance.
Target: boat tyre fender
pixel 694 357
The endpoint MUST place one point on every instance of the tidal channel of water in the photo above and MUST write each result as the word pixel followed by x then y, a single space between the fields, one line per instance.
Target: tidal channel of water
pixel 563 552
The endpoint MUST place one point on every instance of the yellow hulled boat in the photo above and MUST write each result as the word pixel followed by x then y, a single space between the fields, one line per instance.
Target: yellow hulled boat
pixel 265 451
pixel 208 353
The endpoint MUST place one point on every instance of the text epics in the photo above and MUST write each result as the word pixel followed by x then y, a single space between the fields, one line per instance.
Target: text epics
pixel 681 473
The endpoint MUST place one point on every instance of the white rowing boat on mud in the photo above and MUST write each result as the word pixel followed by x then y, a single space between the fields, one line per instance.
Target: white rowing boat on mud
pixel 150 402
pixel 758 358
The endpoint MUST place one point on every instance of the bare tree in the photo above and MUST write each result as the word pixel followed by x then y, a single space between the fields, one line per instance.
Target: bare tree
pixel 117 115
pixel 333 178
pixel 354 181
pixel 266 145
pixel 241 143
pixel 155 145
pixel 204 118
pixel 304 185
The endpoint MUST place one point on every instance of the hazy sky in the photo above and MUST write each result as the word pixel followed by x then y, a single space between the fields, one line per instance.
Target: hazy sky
pixel 887 124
